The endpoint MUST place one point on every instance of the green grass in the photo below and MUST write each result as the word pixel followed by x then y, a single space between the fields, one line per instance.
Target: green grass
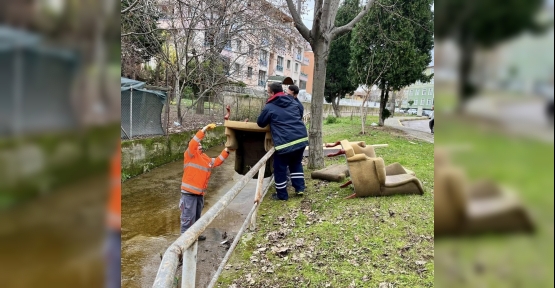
pixel 505 260
pixel 338 242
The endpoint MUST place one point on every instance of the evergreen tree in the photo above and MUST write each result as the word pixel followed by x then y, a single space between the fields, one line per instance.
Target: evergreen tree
pixel 482 24
pixel 338 82
pixel 391 46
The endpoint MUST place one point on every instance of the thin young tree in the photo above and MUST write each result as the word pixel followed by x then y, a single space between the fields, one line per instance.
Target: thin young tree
pixel 320 36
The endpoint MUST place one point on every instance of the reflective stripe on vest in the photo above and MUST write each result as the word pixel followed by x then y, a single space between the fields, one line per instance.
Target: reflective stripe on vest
pixel 221 158
pixel 197 190
pixel 196 139
pixel 291 143
pixel 189 153
pixel 196 166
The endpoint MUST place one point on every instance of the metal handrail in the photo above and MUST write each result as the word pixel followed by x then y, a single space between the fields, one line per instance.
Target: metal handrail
pixel 186 244
pixel 250 218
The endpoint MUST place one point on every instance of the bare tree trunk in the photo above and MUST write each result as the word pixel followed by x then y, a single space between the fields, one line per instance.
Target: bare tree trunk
pixel 363 112
pixel 335 106
pixel 393 95
pixel 178 99
pixel 466 89
pixel 382 105
pixel 316 158
pixel 167 113
pixel 200 105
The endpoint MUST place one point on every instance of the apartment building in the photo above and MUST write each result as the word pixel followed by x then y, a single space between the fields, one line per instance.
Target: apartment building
pixel 422 94
pixel 307 71
pixel 271 46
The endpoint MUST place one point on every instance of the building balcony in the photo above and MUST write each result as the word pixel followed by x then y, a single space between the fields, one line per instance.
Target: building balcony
pixel 279 68
pixel 306 61
pixel 263 63
pixel 303 76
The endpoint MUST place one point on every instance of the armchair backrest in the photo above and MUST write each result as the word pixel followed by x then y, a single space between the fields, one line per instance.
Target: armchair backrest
pixel 362 148
pixel 380 169
pixel 346 145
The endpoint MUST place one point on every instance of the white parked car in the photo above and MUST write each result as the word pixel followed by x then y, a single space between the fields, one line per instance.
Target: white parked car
pixel 412 111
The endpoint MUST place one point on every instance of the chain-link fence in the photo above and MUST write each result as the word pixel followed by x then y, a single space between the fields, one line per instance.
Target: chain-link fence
pixel 36 83
pixel 140 110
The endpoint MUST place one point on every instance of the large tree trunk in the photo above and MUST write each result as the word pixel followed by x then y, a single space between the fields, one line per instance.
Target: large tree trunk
pixel 465 88
pixel 316 155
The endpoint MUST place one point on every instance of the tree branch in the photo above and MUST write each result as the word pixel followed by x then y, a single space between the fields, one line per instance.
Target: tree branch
pixel 145 33
pixel 130 7
pixel 337 31
pixel 305 32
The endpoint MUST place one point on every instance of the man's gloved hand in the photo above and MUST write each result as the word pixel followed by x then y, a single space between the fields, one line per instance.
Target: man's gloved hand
pixel 229 150
pixel 209 127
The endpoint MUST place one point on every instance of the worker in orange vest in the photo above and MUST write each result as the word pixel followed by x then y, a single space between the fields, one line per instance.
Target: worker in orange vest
pixel 113 221
pixel 197 167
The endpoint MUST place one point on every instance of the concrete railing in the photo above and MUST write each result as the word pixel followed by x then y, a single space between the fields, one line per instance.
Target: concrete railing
pixel 186 245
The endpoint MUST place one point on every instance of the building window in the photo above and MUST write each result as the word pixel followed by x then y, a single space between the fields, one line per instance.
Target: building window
pixel 237 69
pixel 251 50
pixel 238 43
pixel 416 92
pixel 288 64
pixel 299 56
pixel 262 78
pixel 296 67
pixel 228 45
pixel 424 91
pixel 411 92
pixel 429 102
pixel 263 57
pixel 422 101
pixel 290 47
pixel 432 80
pixel 279 66
pixel 249 72
pixel 431 91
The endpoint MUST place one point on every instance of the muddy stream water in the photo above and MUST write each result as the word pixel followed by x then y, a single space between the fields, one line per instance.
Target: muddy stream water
pixel 150 220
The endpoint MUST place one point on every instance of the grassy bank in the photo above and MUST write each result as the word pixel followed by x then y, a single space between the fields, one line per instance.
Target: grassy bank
pixel 527 167
pixel 323 240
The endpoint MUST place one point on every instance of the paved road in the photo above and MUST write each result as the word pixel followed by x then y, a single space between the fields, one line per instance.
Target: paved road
pixel 419 129
pixel 420 125
pixel 524 117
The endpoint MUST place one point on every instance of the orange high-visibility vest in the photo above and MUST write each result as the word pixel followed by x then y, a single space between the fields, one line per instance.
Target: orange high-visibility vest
pixel 197 167
pixel 114 204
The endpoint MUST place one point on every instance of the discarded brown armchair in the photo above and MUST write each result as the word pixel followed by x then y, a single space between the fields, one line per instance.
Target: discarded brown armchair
pixel 369 176
pixel 482 207
pixel 360 147
pixel 250 143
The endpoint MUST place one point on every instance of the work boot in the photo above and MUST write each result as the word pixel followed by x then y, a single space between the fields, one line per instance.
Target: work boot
pixel 275 197
pixel 201 238
pixel 300 193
